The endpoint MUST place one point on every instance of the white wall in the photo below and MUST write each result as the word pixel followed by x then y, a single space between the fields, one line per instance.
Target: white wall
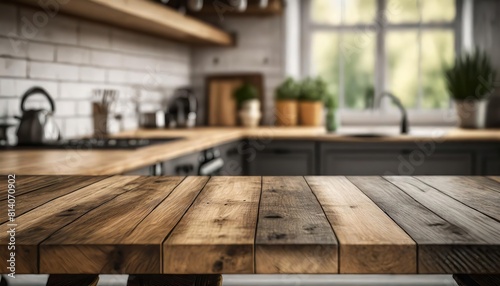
pixel 69 57
pixel 260 46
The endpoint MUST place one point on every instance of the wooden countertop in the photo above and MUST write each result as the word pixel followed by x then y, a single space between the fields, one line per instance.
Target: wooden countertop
pixel 111 162
pixel 203 225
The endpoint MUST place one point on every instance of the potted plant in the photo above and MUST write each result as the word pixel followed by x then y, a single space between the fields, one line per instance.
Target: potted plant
pixel 469 82
pixel 287 95
pixel 312 94
pixel 247 99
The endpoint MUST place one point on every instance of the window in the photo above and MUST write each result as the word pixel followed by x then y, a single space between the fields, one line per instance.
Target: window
pixel 364 47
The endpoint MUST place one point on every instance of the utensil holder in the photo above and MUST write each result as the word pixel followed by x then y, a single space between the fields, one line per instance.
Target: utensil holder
pixel 100 117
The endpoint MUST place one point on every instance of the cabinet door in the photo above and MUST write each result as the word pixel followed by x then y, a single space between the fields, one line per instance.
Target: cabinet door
pixel 233 159
pixel 283 159
pixel 145 171
pixel 182 166
pixel 490 164
pixel 383 160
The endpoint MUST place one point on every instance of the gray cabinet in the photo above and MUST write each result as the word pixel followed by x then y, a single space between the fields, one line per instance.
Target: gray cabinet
pixel 144 171
pixel 365 159
pixel 182 166
pixel 232 155
pixel 279 158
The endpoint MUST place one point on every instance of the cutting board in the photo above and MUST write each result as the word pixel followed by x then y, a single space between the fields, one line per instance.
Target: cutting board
pixel 221 108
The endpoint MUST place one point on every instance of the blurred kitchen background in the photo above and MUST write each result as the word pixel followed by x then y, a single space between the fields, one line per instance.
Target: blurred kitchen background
pixel 360 49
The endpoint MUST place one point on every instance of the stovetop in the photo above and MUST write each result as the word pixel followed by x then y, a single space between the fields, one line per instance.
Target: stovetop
pixel 97 143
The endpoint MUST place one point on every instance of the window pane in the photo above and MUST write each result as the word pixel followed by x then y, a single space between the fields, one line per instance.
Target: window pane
pixel 403 11
pixel 326 11
pixel 325 58
pixel 402 66
pixel 438 10
pixel 354 11
pixel 358 54
pixel 359 11
pixel 356 51
pixel 437 53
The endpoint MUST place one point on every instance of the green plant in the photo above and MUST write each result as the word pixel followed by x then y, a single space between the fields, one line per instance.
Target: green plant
pixel 288 90
pixel 313 90
pixel 245 92
pixel 331 102
pixel 472 76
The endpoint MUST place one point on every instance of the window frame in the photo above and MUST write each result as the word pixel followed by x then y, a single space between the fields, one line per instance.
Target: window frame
pixel 418 116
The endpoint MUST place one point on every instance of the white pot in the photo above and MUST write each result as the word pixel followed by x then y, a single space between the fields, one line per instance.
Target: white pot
pixel 471 113
pixel 250 114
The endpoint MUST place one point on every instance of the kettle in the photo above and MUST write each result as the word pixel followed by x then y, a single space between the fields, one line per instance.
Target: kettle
pixel 37 126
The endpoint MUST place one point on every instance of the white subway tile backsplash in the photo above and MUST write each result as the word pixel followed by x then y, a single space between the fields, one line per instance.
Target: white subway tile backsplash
pixel 106 59
pixel 12 67
pixel 70 57
pixel 84 108
pixel 43 70
pixel 74 55
pixel 22 85
pixel 66 108
pixel 94 35
pixel 13 48
pixel 69 90
pixel 36 24
pixel 7 87
pixel 8 19
pixel 43 52
pixel 91 74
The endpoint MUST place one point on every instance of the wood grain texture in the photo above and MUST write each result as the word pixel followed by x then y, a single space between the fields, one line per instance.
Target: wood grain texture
pixel 477 192
pixel 95 239
pixel 370 241
pixel 495 178
pixel 62 186
pixel 293 233
pixel 217 233
pixel 146 17
pixel 37 225
pixel 478 251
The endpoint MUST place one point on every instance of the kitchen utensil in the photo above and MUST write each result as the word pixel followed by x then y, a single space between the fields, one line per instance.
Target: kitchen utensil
pixel 37 126
pixel 101 110
pixel 221 107
pixel 152 119
pixel 184 108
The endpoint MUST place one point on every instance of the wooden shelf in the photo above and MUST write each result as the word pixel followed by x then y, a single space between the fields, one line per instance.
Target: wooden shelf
pixel 148 17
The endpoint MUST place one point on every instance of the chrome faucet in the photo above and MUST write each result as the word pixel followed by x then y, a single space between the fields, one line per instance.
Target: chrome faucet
pixel 404 115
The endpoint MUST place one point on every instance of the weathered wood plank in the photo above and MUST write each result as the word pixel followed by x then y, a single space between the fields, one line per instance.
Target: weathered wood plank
pixel 495 178
pixel 26 183
pixel 36 225
pixel 95 238
pixel 293 233
pixel 468 242
pixel 370 241
pixel 30 200
pixel 479 193
pixel 217 233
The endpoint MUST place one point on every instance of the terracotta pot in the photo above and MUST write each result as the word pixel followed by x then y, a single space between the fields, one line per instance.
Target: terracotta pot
pixel 471 113
pixel 311 113
pixel 287 112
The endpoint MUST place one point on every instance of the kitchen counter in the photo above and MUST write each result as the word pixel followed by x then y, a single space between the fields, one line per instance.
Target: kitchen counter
pixel 208 225
pixel 110 162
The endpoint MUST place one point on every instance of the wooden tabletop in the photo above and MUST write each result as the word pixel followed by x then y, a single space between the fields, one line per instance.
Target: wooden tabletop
pixel 202 225
pixel 112 162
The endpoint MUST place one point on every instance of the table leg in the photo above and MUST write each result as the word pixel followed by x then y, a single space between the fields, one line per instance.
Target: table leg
pixel 477 280
pixel 175 280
